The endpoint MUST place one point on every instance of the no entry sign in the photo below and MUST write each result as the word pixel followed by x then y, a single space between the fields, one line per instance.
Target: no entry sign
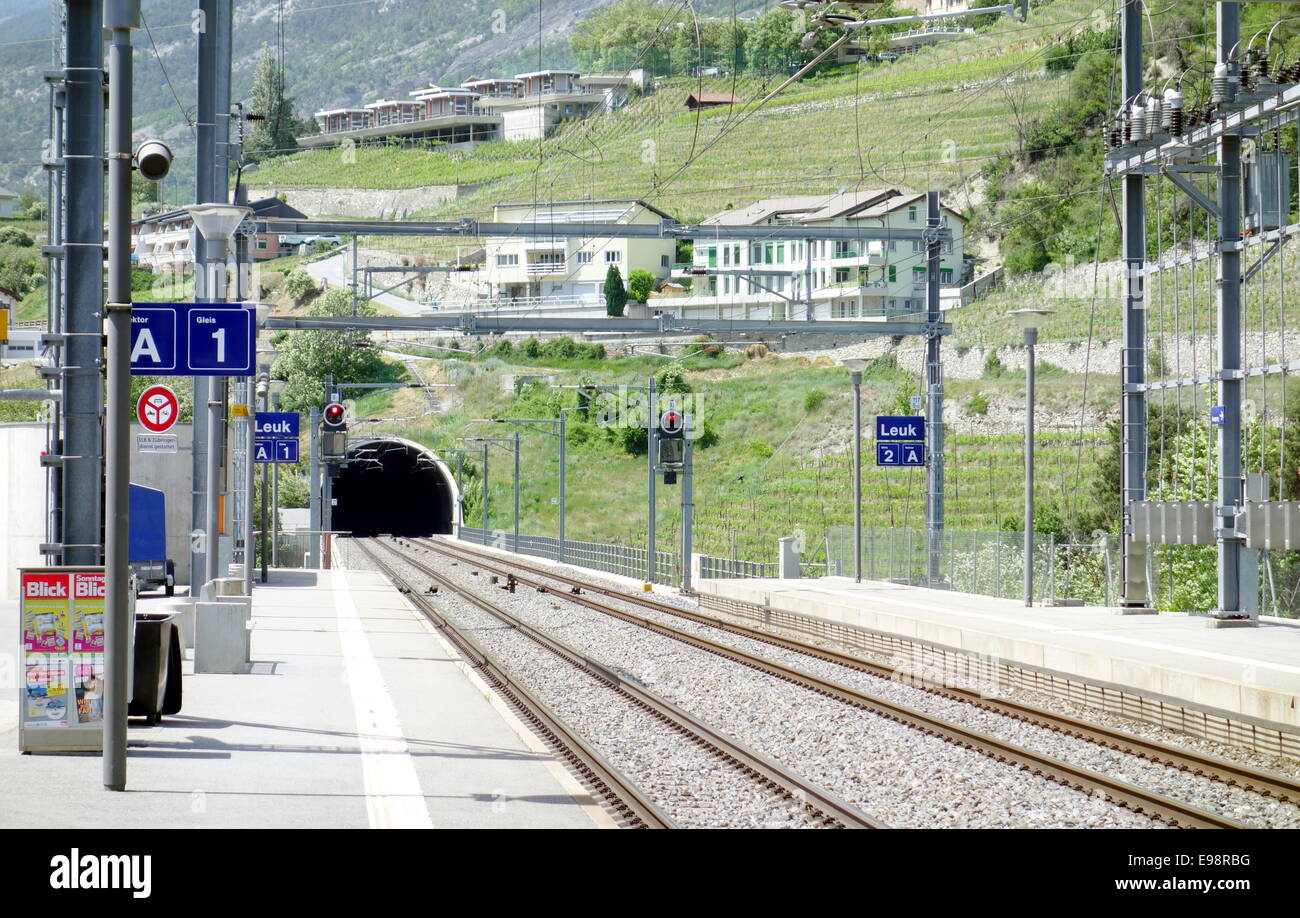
pixel 158 409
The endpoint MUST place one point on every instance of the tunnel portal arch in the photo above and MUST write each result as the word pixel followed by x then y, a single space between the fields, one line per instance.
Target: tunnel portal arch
pixel 394 486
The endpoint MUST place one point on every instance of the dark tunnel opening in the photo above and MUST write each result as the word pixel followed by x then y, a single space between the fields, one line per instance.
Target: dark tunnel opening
pixel 392 487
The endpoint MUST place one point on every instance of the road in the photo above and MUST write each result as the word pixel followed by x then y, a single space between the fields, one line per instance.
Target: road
pixel 334 271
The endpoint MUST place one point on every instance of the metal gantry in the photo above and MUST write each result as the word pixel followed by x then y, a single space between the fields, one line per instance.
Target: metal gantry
pixel 1153 136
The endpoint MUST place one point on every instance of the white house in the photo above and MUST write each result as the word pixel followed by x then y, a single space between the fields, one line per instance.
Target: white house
pixel 740 278
pixel 8 203
pixel 570 268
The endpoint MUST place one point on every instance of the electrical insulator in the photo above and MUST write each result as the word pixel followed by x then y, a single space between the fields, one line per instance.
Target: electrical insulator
pixel 1138 120
pixel 1174 108
pixel 1219 85
pixel 1154 124
pixel 1293 73
pixel 1262 64
pixel 1122 118
pixel 1247 78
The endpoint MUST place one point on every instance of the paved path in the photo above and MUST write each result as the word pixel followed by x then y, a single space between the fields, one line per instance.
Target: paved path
pixel 355 714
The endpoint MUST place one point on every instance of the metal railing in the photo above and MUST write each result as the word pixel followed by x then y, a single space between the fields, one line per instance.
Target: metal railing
pixel 611 557
pixel 712 568
pixel 987 563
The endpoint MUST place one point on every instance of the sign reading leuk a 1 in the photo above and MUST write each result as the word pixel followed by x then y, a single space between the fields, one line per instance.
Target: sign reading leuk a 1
pixel 193 339
pixel 158 409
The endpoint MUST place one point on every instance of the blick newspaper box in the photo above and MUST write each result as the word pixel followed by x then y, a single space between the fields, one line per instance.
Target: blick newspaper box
pixel 61 645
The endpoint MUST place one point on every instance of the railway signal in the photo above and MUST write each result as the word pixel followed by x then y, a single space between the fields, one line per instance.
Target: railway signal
pixel 672 443
pixel 334 430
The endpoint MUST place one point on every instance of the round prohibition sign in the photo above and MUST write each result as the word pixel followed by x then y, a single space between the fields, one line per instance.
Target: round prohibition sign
pixel 158 409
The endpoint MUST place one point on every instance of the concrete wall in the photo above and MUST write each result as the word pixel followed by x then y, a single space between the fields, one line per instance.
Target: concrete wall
pixel 171 474
pixel 364 203
pixel 22 511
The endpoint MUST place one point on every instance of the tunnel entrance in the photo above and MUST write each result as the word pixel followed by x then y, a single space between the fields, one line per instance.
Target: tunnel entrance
pixel 391 486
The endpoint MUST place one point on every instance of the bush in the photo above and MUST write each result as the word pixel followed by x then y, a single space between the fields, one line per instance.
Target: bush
pixel 978 405
pixel 500 348
pixel 12 235
pixel 531 348
pixel 299 285
pixel 560 348
pixel 993 367
pixel 813 400
pixel 639 284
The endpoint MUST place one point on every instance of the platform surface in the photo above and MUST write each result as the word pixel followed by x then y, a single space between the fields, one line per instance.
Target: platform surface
pixel 1249 671
pixel 355 714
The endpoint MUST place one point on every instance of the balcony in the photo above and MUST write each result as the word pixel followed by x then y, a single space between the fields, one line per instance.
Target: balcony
pixel 535 268
pixel 545 243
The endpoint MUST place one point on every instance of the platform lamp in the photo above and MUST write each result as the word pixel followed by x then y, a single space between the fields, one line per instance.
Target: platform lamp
pixel 1029 319
pixel 216 223
pixel 855 366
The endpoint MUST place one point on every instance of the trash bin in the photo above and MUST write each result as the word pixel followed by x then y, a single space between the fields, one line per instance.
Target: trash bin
pixel 156 676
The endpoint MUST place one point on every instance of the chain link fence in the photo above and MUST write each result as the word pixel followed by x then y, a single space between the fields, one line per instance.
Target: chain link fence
pixel 613 558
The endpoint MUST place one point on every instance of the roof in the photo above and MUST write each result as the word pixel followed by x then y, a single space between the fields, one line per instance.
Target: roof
pixel 898 203
pixel 340 111
pixel 537 73
pixel 712 98
pixel 6 193
pixel 272 208
pixel 12 294
pixel 817 208
pixel 628 201
pixel 512 80
pixel 800 207
pixel 432 92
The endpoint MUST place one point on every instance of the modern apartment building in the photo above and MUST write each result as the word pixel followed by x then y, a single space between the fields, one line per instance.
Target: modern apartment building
pixel 740 278
pixel 557 269
pixel 525 106
pixel 164 243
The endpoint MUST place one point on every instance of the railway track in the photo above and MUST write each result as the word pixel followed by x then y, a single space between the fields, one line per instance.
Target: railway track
pixel 1158 806
pixel 620 794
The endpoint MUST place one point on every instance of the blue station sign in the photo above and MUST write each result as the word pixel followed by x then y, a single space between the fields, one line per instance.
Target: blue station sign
pixel 904 454
pixel 270 425
pixel 275 451
pixel 906 427
pixel 193 339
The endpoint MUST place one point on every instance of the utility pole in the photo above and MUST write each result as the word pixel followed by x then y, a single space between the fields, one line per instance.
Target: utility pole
pixel 516 492
pixel 120 16
pixel 314 492
pixel 1229 321
pixel 1134 433
pixel 651 448
pixel 934 509
pixel 82 452
pixel 688 508
pixel 204 190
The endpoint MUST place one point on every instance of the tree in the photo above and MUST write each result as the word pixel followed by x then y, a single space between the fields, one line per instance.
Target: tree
pixel 275 135
pixel 639 284
pixel 615 294
pixel 307 357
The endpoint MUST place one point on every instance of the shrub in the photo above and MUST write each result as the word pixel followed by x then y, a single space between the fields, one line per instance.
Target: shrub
pixel 639 284
pixel 978 405
pixel 299 285
pixel 12 235
pixel 813 400
pixel 531 348
pixel 757 351
pixel 500 348
pixel 560 348
pixel 993 367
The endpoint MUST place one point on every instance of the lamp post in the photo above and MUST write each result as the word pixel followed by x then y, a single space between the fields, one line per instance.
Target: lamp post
pixel 216 223
pixel 1029 320
pixel 855 366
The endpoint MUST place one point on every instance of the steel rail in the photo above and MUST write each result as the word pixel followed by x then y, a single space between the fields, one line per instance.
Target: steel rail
pixel 1138 799
pixel 814 800
pixel 1201 764
pixel 619 795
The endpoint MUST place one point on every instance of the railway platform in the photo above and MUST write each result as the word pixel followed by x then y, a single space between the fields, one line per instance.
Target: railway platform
pixel 353 713
pixel 1238 685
